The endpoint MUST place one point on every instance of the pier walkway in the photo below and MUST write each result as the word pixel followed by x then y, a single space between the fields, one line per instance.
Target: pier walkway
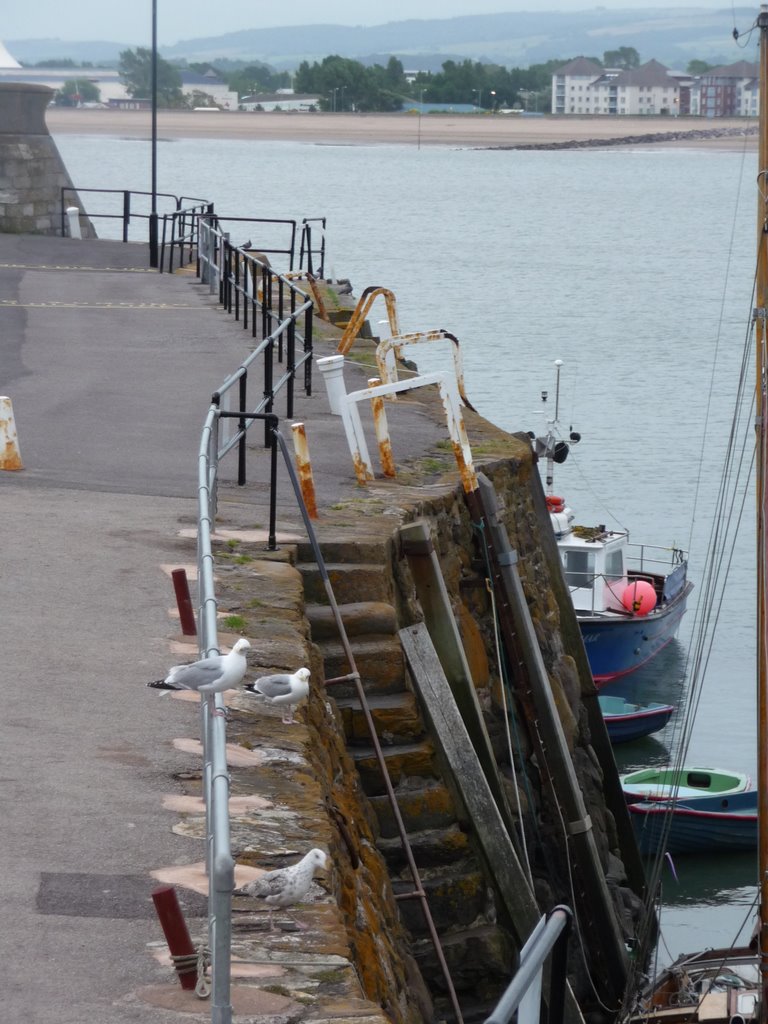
pixel 110 368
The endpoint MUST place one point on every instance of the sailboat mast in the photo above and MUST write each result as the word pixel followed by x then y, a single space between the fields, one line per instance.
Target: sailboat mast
pixel 761 316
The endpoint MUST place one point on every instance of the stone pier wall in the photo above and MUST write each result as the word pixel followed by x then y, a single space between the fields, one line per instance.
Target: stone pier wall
pixel 338 793
pixel 32 172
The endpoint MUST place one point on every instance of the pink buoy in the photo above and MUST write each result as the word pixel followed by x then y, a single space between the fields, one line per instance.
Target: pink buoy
pixel 639 597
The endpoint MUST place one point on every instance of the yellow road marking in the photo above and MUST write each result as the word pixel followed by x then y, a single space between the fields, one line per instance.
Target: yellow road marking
pixel 99 305
pixel 64 266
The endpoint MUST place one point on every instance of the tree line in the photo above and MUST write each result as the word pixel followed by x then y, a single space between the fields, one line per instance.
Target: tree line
pixel 349 85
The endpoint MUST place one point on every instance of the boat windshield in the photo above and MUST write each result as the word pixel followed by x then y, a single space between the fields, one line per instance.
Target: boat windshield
pixel 614 564
pixel 579 568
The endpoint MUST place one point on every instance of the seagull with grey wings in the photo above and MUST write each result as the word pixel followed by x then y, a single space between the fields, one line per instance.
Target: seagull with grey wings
pixel 283 688
pixel 209 675
pixel 285 886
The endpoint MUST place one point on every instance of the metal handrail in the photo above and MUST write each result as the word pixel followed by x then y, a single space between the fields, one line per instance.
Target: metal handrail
pixel 129 211
pixel 180 233
pixel 307 249
pixel 214 446
pixel 673 555
pixel 523 995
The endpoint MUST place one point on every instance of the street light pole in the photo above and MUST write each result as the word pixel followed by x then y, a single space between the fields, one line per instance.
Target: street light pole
pixel 153 256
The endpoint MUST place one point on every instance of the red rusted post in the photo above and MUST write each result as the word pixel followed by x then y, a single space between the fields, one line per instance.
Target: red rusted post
pixel 184 601
pixel 176 933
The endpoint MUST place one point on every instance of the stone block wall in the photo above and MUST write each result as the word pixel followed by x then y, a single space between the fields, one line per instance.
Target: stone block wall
pixel 32 172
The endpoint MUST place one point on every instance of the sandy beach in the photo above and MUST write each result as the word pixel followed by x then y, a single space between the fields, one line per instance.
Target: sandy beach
pixel 460 130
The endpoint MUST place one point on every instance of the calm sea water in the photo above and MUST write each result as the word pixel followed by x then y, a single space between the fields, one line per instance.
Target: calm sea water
pixel 635 268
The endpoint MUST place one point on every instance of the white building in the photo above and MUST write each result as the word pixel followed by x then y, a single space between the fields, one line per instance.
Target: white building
pixel 283 99
pixel 210 85
pixel 107 80
pixel 583 87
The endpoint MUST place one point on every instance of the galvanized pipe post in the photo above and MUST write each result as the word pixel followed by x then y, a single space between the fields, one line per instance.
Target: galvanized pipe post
pixel 521 645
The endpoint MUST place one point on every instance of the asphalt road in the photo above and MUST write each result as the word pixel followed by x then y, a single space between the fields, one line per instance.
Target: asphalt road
pixel 110 370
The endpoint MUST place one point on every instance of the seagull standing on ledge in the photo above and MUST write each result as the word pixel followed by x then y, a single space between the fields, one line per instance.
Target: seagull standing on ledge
pixel 209 675
pixel 285 886
pixel 283 688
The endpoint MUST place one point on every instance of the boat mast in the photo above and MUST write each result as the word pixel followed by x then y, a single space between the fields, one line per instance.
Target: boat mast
pixel 552 424
pixel 761 315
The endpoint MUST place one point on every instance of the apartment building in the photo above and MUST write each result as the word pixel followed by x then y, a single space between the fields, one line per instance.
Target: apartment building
pixel 583 87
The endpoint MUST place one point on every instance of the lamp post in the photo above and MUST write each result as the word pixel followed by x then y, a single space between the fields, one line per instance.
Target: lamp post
pixel 341 101
pixel 333 99
pixel 479 93
pixel 493 101
pixel 153 257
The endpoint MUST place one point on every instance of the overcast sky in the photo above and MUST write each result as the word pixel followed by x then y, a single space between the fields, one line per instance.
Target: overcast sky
pixel 131 22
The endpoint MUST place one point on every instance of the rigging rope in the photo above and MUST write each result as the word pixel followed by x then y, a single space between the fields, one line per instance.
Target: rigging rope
pixel 728 513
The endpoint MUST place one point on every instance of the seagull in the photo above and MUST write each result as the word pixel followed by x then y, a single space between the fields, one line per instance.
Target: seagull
pixel 209 675
pixel 285 886
pixel 283 688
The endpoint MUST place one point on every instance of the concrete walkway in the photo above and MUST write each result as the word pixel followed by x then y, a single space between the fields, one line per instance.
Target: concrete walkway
pixel 110 369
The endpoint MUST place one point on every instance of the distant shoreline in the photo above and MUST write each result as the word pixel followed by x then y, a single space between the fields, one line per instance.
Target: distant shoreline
pixel 482 131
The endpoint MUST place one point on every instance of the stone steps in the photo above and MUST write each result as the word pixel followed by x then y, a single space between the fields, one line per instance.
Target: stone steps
pixel 347 551
pixel 422 807
pixel 379 660
pixel 360 618
pixel 404 762
pixel 453 879
pixel 456 898
pixel 432 848
pixel 352 582
pixel 396 716
pixel 471 953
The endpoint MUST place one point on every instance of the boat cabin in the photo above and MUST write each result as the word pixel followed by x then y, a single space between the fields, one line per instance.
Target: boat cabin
pixel 594 562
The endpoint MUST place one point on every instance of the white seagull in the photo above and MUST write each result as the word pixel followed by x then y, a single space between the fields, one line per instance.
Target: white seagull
pixel 285 886
pixel 209 675
pixel 283 688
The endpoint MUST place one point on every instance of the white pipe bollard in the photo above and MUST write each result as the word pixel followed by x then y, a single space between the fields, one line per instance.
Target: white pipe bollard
pixel 10 456
pixel 332 369
pixel 73 222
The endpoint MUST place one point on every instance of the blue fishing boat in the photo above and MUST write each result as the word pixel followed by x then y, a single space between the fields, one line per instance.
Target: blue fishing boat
pixel 625 721
pixel 705 824
pixel 629 599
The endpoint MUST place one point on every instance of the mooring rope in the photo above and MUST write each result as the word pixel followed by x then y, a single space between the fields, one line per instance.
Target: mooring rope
pixel 197 962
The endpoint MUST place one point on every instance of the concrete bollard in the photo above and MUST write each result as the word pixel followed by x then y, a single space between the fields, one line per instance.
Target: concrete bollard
pixel 10 456
pixel 73 222
pixel 332 369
